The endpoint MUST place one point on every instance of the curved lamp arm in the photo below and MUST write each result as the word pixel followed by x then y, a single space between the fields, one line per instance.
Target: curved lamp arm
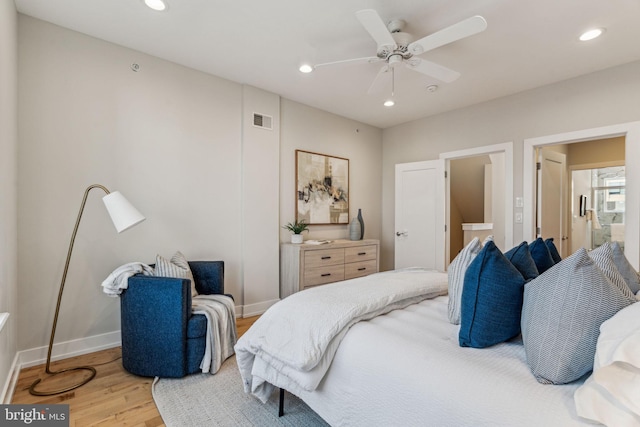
pixel 124 216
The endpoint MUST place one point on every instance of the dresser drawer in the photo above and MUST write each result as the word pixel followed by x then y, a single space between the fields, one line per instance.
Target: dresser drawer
pixel 359 269
pixel 323 257
pixel 361 253
pixel 321 275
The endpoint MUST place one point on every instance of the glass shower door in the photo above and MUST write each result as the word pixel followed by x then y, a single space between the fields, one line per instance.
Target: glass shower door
pixel 608 190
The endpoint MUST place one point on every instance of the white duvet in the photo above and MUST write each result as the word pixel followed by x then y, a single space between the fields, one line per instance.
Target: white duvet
pixel 292 345
pixel 406 369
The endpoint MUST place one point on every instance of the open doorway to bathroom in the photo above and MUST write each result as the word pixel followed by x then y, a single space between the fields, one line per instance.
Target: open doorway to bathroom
pixel 598 206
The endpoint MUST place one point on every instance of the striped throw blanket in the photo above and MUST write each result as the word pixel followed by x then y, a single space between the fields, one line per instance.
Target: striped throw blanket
pixel 221 336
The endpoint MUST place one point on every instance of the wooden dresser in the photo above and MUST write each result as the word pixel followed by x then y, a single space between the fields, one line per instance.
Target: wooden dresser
pixel 306 265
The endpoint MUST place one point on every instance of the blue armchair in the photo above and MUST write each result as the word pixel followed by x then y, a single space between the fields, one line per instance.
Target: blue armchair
pixel 160 336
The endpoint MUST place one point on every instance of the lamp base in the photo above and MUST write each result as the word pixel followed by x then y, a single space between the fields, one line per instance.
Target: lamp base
pixel 35 392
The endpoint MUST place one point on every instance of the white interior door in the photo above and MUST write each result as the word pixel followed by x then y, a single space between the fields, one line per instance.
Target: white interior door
pixel 552 206
pixel 420 206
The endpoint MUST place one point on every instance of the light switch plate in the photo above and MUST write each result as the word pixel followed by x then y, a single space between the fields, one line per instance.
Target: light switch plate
pixel 519 202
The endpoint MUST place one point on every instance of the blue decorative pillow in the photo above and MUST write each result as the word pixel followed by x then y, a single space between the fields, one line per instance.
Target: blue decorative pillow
pixel 541 255
pixel 491 300
pixel 521 259
pixel 555 255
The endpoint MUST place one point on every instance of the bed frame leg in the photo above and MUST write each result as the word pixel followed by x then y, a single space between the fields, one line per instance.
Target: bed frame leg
pixel 281 405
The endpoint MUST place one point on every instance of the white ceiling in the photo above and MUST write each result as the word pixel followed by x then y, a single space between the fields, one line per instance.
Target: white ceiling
pixel 262 43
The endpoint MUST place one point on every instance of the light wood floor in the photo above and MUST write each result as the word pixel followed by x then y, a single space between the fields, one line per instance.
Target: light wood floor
pixel 113 398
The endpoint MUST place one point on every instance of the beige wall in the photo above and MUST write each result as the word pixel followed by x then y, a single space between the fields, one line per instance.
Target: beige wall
pixel 599 99
pixel 8 186
pixel 308 129
pixel 175 141
pixel 610 150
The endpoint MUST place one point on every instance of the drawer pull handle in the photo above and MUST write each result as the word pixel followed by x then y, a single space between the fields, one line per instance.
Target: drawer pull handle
pixel 362 253
pixel 325 274
pixel 326 257
pixel 362 268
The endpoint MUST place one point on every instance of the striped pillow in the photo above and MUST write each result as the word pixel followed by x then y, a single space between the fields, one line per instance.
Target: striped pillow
pixel 456 272
pixel 176 267
pixel 561 316
pixel 603 256
pixel 631 276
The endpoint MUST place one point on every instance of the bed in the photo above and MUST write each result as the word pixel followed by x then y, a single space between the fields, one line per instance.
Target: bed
pixel 402 366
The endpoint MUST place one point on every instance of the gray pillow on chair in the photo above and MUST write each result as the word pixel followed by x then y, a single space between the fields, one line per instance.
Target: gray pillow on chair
pixel 177 267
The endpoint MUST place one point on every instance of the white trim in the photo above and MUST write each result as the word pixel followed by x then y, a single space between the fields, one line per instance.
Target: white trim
pixel 631 132
pixel 507 149
pixel 257 309
pixel 66 349
pixel 12 379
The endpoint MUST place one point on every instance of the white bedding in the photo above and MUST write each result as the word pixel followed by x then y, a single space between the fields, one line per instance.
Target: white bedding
pixel 292 345
pixel 405 368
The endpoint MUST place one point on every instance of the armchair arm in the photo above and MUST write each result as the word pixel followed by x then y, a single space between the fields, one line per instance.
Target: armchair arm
pixel 154 315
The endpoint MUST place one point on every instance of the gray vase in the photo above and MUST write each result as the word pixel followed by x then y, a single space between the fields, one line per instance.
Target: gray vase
pixel 354 229
pixel 361 221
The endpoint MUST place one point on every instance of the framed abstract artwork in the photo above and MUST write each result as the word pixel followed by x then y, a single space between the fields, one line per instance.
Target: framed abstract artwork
pixel 322 188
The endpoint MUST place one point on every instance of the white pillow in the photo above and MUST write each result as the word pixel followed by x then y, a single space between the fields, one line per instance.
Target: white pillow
pixel 610 395
pixel 177 267
pixel 456 272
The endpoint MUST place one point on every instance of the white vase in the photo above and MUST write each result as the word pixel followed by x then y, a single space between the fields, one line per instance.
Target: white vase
pixel 296 238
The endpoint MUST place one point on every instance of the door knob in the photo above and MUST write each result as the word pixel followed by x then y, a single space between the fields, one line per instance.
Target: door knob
pixel 401 233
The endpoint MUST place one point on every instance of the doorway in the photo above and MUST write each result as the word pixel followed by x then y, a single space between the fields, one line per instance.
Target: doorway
pixel 631 133
pixel 502 212
pixel 598 206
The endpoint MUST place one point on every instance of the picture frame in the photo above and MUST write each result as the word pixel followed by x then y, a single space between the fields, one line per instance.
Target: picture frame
pixel 322 188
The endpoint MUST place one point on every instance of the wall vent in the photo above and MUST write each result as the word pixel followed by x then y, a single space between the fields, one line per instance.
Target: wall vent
pixel 262 121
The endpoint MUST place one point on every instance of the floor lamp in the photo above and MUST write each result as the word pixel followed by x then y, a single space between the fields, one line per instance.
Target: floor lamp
pixel 124 216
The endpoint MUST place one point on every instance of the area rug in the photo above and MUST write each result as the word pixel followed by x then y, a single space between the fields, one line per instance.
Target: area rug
pixel 220 400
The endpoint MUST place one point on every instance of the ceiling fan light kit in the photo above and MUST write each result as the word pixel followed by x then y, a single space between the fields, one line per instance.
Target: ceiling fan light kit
pixel 395 47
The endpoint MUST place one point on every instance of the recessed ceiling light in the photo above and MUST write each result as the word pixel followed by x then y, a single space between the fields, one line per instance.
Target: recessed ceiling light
pixel 389 103
pixel 591 34
pixel 305 68
pixel 158 5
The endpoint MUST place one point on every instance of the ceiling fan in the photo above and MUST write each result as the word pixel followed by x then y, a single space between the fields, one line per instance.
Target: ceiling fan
pixel 396 47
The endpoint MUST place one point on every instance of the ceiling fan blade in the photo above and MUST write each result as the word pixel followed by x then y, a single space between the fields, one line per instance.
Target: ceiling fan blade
pixel 380 80
pixel 369 59
pixel 432 69
pixel 374 25
pixel 462 29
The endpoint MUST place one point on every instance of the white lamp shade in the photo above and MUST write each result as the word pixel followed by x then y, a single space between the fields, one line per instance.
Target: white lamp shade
pixel 122 213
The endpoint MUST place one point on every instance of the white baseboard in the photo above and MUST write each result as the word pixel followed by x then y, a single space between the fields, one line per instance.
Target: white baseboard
pixel 257 309
pixel 66 349
pixel 12 380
